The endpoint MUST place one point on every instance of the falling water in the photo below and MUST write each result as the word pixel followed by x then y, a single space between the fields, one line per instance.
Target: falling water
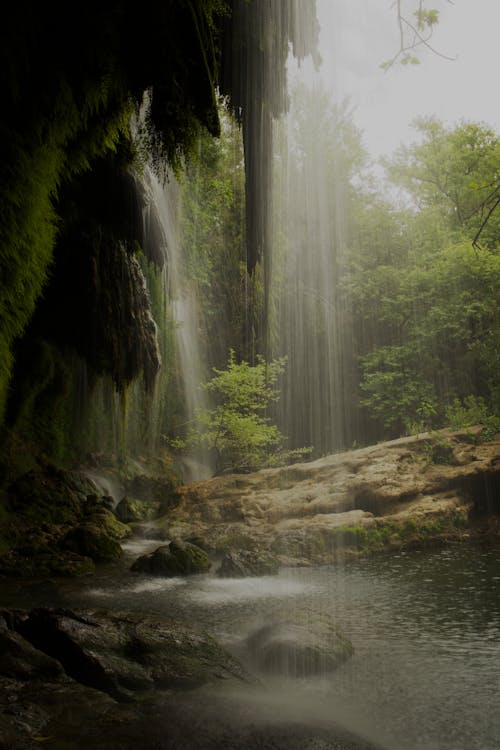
pixel 309 255
pixel 309 320
pixel 162 218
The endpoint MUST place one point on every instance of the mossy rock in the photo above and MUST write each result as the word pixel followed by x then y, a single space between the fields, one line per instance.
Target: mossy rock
pixel 160 493
pixel 112 526
pixel 173 559
pixel 129 510
pixel 93 541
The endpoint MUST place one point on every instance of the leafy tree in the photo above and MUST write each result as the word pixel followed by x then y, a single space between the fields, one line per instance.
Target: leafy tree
pixel 456 172
pixel 237 427
pixel 442 324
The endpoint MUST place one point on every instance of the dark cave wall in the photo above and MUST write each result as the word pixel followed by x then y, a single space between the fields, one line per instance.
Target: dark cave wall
pixel 71 238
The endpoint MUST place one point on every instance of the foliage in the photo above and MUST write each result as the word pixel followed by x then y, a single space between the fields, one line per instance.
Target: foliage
pixel 465 412
pixel 414 34
pixel 445 346
pixel 454 170
pixel 424 294
pixel 395 392
pixel 473 410
pixel 213 240
pixel 237 427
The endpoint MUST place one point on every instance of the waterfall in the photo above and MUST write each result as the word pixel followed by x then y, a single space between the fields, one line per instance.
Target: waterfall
pixel 161 227
pixel 254 75
pixel 309 317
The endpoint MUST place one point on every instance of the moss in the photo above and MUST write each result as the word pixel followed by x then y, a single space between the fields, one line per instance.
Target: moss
pixel 390 535
pixel 91 540
pixel 110 524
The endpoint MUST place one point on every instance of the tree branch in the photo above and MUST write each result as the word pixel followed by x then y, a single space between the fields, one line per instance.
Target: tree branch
pixel 475 241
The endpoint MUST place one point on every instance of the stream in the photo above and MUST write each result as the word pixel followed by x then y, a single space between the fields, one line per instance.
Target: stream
pixel 425 627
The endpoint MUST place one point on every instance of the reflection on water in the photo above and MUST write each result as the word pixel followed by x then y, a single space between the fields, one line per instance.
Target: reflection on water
pixel 425 627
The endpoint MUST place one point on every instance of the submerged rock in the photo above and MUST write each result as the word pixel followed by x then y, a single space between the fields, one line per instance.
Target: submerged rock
pixel 298 649
pixel 174 559
pixel 245 563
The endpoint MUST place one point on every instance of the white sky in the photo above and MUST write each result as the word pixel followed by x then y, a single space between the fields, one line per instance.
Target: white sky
pixel 358 35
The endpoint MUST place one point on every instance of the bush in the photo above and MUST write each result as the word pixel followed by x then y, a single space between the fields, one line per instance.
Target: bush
pixel 237 428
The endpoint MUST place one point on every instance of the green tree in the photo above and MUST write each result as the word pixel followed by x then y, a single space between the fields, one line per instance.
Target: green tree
pixel 237 427
pixel 423 291
pixel 456 172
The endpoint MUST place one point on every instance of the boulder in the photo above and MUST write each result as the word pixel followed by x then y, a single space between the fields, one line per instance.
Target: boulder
pixel 295 649
pixel 246 563
pixel 124 654
pixel 174 559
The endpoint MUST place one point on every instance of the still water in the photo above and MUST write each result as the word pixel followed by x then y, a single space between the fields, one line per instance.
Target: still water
pixel 425 627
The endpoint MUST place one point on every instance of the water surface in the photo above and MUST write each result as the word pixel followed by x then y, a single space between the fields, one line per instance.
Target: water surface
pixel 425 627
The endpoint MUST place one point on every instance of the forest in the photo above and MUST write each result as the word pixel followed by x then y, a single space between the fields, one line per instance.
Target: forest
pixel 414 275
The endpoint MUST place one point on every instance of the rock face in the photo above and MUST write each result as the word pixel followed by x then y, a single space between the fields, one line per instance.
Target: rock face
pixel 173 559
pixel 298 650
pixel 20 660
pixel 407 492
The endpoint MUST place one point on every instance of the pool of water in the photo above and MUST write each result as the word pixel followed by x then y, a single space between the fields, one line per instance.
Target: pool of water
pixel 425 627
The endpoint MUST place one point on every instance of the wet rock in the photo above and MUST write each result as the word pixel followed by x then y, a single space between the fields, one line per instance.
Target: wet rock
pixel 123 654
pixel 96 502
pixel 173 559
pixel 299 649
pixel 245 563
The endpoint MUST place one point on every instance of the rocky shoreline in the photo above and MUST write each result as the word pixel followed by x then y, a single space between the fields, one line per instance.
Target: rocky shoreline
pixel 102 679
pixel 407 493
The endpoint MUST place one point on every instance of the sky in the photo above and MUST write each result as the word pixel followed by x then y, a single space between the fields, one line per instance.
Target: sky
pixel 358 35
